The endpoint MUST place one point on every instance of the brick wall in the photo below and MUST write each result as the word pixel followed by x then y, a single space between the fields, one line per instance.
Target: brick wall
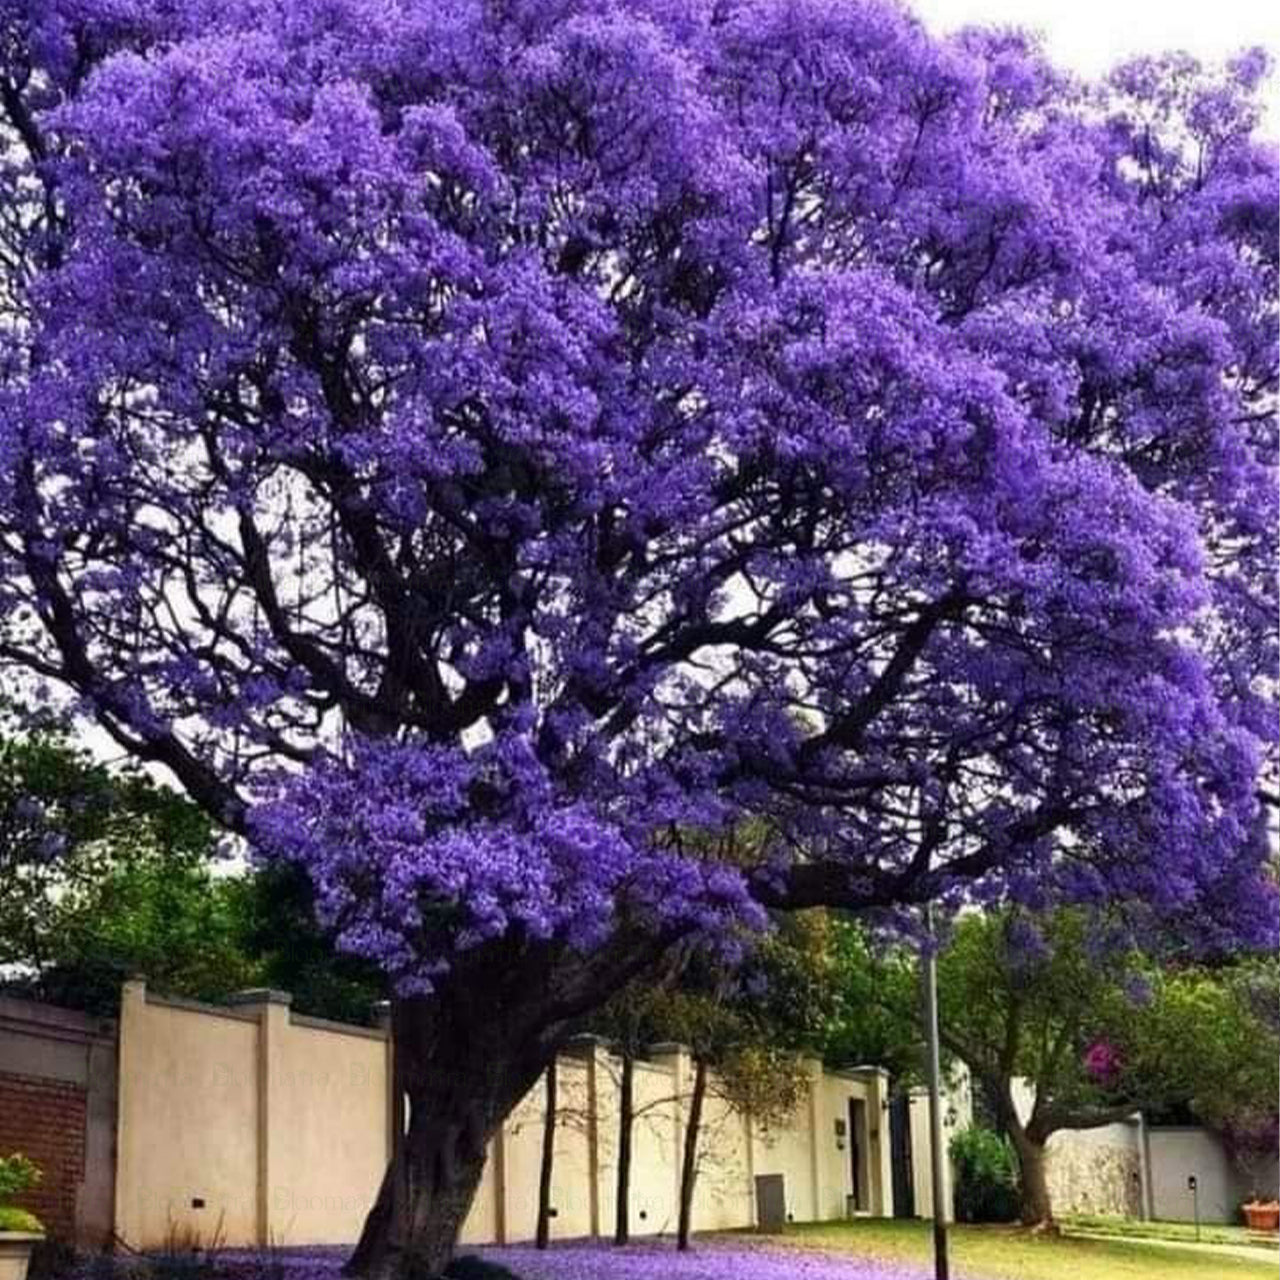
pixel 45 1119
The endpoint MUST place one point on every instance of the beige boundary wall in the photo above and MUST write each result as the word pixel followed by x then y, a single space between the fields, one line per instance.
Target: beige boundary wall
pixel 251 1124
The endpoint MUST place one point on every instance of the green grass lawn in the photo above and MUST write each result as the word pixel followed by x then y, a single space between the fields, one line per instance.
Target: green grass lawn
pixel 1210 1232
pixel 1009 1253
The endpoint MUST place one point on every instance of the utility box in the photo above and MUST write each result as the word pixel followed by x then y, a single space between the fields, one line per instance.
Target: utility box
pixel 771 1202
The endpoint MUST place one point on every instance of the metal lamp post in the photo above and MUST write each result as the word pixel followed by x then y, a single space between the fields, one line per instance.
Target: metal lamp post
pixel 941 1265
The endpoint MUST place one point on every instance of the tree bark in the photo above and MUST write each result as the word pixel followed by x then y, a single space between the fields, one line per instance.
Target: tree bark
pixel 1037 1206
pixel 462 1078
pixel 689 1164
pixel 626 1121
pixel 543 1237
pixel 464 1057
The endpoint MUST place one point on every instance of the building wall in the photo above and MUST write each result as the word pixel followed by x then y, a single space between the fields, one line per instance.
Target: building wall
pixel 330 1091
pixel 957 1114
pixel 57 1105
pixel 786 1148
pixel 246 1125
pixel 1177 1153
pixel 724 1191
pixel 1096 1171
pixel 249 1124
pixel 188 1135
pixel 1091 1171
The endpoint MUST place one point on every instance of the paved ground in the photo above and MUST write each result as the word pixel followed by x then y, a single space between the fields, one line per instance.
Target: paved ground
pixel 1251 1253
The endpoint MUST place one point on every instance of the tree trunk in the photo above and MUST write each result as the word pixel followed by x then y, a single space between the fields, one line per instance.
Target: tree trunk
pixel 1037 1208
pixel 689 1165
pixel 461 1078
pixel 626 1118
pixel 548 1159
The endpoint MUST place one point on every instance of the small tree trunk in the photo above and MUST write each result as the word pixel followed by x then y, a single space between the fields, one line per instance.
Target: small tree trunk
pixel 543 1237
pixel 626 1117
pixel 1037 1207
pixel 461 1082
pixel 423 1201
pixel 689 1164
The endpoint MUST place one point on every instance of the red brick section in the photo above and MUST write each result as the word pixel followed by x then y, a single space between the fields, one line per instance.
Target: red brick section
pixel 45 1119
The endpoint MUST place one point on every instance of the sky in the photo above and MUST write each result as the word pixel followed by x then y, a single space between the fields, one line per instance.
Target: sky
pixel 1089 36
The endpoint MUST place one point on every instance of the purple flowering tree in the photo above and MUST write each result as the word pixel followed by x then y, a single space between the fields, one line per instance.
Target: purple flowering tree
pixel 474 445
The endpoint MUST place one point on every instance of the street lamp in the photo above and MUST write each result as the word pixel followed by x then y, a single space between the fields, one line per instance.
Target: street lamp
pixel 941 1267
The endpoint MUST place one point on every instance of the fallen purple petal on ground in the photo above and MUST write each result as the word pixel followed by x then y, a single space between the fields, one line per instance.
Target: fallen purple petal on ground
pixel 593 1260
pixel 711 1260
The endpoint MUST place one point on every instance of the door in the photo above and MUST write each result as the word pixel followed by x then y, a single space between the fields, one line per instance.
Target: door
pixel 904 1183
pixel 858 1150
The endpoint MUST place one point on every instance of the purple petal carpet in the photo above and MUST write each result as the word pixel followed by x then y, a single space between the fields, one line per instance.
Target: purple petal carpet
pixel 591 1260
pixel 708 1261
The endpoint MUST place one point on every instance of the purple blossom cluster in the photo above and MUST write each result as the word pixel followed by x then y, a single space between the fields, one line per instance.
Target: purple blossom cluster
pixel 539 466
pixel 407 873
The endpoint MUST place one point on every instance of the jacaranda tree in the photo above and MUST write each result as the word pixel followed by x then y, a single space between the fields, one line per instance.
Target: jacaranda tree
pixel 476 445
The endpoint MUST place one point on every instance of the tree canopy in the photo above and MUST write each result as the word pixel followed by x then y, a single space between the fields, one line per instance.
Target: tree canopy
pixel 1062 1028
pixel 469 444
pixel 106 875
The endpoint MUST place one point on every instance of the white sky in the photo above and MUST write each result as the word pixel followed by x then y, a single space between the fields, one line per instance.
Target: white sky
pixel 1089 36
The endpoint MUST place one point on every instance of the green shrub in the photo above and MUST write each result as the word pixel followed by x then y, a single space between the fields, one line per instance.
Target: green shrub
pixel 17 1174
pixel 15 1219
pixel 986 1174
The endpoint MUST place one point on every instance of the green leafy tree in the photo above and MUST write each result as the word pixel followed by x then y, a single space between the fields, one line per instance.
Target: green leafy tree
pixel 1209 1045
pixel 178 925
pixel 1097 1031
pixel 1035 1000
pixel 293 953
pixel 874 1016
pixel 105 874
pixel 83 850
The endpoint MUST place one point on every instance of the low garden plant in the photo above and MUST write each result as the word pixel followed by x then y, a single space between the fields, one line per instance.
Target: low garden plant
pixel 986 1174
pixel 18 1174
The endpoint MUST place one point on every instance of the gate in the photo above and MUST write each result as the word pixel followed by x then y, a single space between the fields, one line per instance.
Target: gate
pixel 904 1183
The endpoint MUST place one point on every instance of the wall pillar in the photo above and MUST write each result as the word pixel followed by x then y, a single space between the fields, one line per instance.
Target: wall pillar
pixel 590 1049
pixel 676 1058
pixel 395 1095
pixel 133 999
pixel 881 1154
pixel 1144 1167
pixel 272 1010
pixel 813 1120
pixel 95 1205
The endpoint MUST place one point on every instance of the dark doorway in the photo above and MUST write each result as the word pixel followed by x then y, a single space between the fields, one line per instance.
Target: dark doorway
pixel 904 1183
pixel 858 1154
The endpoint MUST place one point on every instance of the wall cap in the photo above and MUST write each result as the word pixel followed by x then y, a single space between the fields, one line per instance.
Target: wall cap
pixel 338 1028
pixel 260 995
pixel 18 1013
